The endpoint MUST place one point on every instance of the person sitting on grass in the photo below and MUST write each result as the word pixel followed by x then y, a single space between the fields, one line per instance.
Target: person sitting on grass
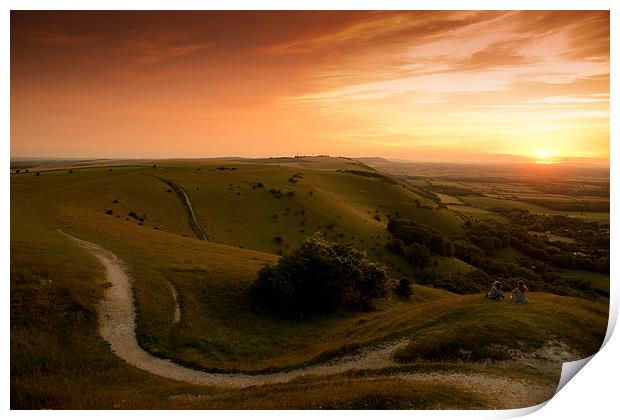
pixel 519 294
pixel 496 291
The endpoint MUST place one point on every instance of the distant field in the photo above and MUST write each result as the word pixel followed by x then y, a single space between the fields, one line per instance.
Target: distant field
pixel 553 237
pixel 477 213
pixel 500 188
pixel 489 202
pixel 558 197
pixel 448 199
pixel 588 216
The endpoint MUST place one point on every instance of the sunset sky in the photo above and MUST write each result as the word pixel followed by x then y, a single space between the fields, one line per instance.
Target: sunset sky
pixel 440 86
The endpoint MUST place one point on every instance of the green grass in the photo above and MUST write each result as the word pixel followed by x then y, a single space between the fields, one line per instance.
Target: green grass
pixel 448 199
pixel 57 357
pixel 354 393
pixel 477 213
pixel 213 278
pixel 599 280
pixel 489 202
pixel 451 266
pixel 478 329
pixel 340 204
pixel 59 361
pixel 554 238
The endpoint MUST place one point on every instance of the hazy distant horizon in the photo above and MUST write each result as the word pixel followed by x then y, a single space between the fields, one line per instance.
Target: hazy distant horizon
pixel 488 160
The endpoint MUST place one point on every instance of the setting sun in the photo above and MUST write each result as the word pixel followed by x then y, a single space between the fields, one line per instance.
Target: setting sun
pixel 545 156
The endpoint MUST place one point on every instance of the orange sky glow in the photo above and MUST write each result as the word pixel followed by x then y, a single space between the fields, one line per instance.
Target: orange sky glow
pixel 460 86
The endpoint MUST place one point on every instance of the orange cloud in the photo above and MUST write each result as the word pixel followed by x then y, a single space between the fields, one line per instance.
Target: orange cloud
pixel 431 84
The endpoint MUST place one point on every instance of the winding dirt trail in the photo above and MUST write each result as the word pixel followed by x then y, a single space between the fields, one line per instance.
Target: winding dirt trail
pixel 191 216
pixel 117 324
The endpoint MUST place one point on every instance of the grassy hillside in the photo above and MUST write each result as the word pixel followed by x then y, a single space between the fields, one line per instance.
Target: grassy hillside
pixel 476 329
pixel 58 359
pixel 231 205
pixel 341 204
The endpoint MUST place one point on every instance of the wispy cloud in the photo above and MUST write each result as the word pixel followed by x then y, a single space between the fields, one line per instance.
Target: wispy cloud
pixel 50 37
pixel 570 99
pixel 152 47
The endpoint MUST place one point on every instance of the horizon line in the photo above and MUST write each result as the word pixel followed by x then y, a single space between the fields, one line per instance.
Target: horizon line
pixel 518 159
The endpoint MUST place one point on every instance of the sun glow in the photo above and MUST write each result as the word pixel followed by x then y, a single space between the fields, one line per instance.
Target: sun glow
pixel 545 156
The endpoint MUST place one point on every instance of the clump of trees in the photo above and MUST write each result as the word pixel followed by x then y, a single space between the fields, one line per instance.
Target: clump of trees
pixel 410 231
pixel 321 276
pixel 417 255
pixel 417 241
pixel 481 242
pixel 371 174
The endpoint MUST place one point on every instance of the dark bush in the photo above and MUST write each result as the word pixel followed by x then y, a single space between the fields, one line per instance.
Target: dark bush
pixel 417 255
pixel 321 276
pixel 109 212
pixel 404 288
pixel 275 193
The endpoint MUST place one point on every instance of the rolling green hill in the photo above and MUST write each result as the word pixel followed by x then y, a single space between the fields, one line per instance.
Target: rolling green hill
pixel 230 206
pixel 58 359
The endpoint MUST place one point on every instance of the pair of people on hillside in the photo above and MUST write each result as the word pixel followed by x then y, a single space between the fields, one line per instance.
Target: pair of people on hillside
pixel 519 294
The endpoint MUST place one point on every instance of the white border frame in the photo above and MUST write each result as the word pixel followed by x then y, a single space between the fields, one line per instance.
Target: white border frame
pixel 593 393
